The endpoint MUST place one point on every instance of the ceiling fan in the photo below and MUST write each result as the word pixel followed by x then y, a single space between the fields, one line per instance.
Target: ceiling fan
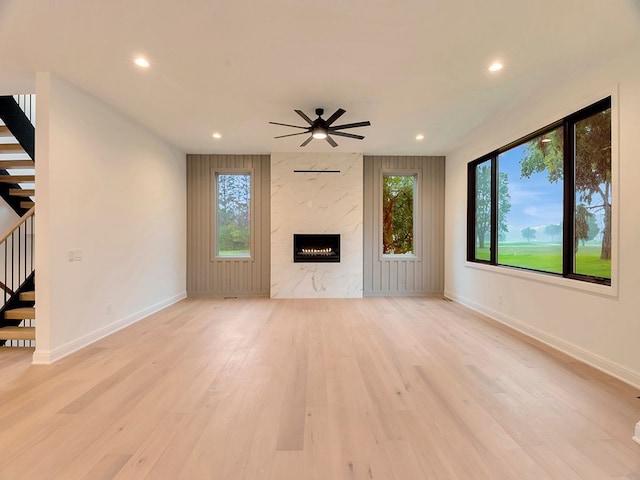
pixel 323 129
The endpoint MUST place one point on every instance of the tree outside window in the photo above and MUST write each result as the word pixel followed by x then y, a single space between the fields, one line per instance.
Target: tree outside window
pixel 398 214
pixel 233 214
pixel 592 159
pixel 483 208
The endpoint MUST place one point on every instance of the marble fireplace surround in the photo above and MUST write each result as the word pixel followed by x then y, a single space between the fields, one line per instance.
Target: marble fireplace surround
pixel 326 200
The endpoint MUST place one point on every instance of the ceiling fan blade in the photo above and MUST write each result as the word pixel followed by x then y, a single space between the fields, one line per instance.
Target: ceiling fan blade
pixel 350 125
pixel 349 135
pixel 306 141
pixel 287 125
pixel 337 114
pixel 302 114
pixel 331 141
pixel 290 135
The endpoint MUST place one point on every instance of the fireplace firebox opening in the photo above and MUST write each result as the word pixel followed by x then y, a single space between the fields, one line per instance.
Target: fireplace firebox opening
pixel 315 248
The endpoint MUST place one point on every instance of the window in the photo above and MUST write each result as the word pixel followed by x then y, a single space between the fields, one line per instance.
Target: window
pixel 543 202
pixel 232 214
pixel 530 204
pixel 482 235
pixel 592 190
pixel 398 216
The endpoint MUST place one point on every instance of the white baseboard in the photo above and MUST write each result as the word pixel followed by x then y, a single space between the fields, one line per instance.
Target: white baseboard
pixel 47 357
pixel 605 365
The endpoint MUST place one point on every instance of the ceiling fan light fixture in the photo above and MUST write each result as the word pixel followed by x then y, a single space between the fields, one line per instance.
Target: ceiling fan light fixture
pixel 321 129
pixel 319 133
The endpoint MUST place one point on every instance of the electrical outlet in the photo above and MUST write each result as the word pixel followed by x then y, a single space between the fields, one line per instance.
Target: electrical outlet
pixel 75 255
pixel 108 309
pixel 499 299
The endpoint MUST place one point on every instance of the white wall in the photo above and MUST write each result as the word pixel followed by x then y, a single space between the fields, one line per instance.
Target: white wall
pixel 316 203
pixel 107 187
pixel 599 325
pixel 8 217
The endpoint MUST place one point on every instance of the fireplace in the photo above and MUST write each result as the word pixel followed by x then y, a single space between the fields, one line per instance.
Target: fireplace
pixel 316 247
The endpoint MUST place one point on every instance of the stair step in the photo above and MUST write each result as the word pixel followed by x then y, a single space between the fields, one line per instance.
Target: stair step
pixel 22 313
pixel 27 204
pixel 17 178
pixel 28 296
pixel 6 164
pixel 17 333
pixel 5 132
pixel 21 192
pixel 11 148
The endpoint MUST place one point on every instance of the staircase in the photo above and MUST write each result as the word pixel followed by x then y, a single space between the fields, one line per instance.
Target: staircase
pixel 17 188
pixel 18 328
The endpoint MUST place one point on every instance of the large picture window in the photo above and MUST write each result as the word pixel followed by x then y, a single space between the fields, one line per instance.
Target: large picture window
pixel 543 202
pixel 232 214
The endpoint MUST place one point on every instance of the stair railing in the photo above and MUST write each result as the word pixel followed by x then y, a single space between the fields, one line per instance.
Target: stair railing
pixel 16 256
pixel 28 105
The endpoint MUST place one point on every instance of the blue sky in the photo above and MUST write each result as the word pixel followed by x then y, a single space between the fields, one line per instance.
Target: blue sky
pixel 535 202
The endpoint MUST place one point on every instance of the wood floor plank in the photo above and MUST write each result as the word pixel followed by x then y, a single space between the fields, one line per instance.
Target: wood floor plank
pixel 143 460
pixel 107 468
pixel 292 418
pixel 378 388
pixel 181 447
pixel 287 465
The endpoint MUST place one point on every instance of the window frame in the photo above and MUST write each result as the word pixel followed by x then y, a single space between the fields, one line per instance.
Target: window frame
pixel 417 222
pixel 471 209
pixel 214 243
pixel 569 197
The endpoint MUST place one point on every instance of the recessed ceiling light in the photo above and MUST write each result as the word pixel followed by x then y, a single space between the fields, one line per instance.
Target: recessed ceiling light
pixel 216 136
pixel 419 137
pixel 141 62
pixel 495 67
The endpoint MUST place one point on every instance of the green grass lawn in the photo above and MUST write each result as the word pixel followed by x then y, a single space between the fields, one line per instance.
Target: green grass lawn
pixel 537 256
pixel 547 257
pixel 588 262
pixel 234 253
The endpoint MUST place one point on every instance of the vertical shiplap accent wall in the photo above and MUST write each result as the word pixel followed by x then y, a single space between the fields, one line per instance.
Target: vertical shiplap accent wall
pixel 402 276
pixel 207 276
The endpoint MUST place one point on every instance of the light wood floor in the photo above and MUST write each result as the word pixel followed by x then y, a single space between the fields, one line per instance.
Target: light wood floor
pixel 391 388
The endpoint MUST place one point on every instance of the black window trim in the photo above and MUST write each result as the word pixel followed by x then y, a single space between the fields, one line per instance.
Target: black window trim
pixel 568 124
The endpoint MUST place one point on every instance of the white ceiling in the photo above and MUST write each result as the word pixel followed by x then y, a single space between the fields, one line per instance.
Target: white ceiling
pixel 408 66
